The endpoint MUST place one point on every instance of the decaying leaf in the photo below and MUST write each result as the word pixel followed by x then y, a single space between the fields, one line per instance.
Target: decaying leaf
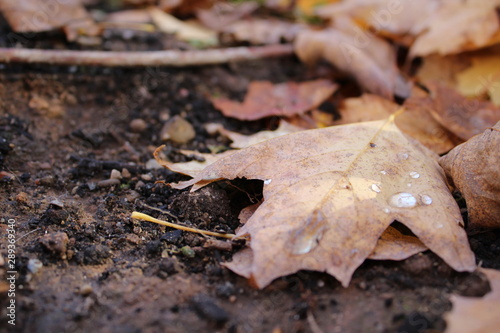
pixel 262 31
pixel 415 122
pixel 386 17
pixel 437 26
pixel 459 26
pixel 39 15
pixel 474 314
pixel 187 31
pixel 474 168
pixel 371 60
pixel 265 99
pixel 243 141
pixel 330 193
pixel 222 14
pixel 482 77
pixel 462 116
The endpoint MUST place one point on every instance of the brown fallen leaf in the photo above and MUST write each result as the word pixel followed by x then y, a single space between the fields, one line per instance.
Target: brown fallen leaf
pixel 474 314
pixel 386 17
pixel 434 26
pixel 458 26
pixel 38 15
pixel 392 244
pixel 265 99
pixel 330 193
pixel 415 122
pixel 474 169
pixel 243 141
pixel 462 116
pixel 186 31
pixel 443 68
pixel 369 59
pixel 261 31
pixel 222 14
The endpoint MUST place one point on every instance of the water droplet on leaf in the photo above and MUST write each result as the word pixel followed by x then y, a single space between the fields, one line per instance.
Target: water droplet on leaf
pixel 383 172
pixel 308 236
pixel 267 181
pixel 403 200
pixel 375 188
pixel 403 156
pixel 414 175
pixel 426 200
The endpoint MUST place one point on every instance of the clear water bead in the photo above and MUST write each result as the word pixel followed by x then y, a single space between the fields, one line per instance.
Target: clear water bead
pixel 383 172
pixel 403 156
pixel 375 188
pixel 403 200
pixel 267 181
pixel 426 200
pixel 414 175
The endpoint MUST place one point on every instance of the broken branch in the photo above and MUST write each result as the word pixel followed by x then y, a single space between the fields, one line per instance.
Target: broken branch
pixel 173 58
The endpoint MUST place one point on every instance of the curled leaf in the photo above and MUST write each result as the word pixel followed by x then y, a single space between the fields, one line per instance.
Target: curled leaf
pixel 474 168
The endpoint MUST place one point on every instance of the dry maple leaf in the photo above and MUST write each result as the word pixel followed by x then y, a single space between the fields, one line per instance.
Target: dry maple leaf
pixel 369 59
pixel 474 314
pixel 265 99
pixel 459 26
pixel 415 122
pixel 462 116
pixel 40 15
pixel 386 17
pixel 474 168
pixel 330 193
pixel 243 141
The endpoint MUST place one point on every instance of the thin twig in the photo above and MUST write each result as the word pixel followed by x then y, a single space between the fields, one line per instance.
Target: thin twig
pixel 173 58
pixel 145 217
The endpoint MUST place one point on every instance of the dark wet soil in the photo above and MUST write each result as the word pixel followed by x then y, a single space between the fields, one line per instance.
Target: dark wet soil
pixel 62 132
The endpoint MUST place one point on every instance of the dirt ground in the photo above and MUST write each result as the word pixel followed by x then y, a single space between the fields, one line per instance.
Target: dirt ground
pixel 64 129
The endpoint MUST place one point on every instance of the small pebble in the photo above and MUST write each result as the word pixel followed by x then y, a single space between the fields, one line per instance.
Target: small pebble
pixel 208 309
pixel 115 174
pixel 108 183
pixel 57 203
pixel 187 251
pixel 56 243
pixel 132 195
pixel 178 130
pixel 133 239
pixel 126 174
pixel 86 289
pixel 147 177
pixel 139 184
pixel 22 197
pixel 34 265
pixel 212 128
pixel 153 164
pixel 138 125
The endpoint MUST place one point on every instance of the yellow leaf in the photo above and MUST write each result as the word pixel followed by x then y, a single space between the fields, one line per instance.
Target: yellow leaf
pixel 482 77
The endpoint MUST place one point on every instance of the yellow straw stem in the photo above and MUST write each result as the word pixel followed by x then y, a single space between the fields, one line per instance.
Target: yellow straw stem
pixel 145 217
